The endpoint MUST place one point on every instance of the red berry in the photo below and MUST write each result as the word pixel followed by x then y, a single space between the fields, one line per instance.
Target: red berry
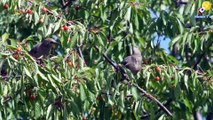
pixel 22 11
pixel 18 49
pixel 98 98
pixel 15 56
pixel 204 78
pixel 145 61
pixel 77 7
pixel 157 69
pixel 69 64
pixel 157 78
pixel 41 20
pixel 6 6
pixel 84 118
pixel 76 66
pixel 32 98
pixel 62 28
pixel 44 9
pixel 93 109
pixel 76 78
pixel 29 11
pixel 65 27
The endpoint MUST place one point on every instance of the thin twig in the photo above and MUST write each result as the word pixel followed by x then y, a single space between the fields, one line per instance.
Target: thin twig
pixel 153 98
pixel 206 46
pixel 50 13
pixel 117 67
pixel 107 59
pixel 62 2
pixel 148 115
pixel 199 60
pixel 80 53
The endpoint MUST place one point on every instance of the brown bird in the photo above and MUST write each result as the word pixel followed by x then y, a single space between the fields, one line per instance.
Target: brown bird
pixel 134 61
pixel 43 48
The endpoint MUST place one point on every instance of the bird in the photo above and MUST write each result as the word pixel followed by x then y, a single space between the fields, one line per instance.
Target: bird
pixel 210 115
pixel 134 61
pixel 3 69
pixel 42 49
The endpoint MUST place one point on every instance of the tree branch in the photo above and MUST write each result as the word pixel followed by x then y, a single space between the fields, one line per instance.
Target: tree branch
pixel 66 4
pixel 199 60
pixel 153 98
pixel 206 46
pixel 147 115
pixel 80 53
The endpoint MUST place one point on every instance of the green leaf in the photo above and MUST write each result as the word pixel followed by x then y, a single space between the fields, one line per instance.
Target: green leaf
pixel 74 108
pixel 196 46
pixel 41 75
pixel 54 87
pixel 135 93
pixel 44 30
pixel 27 72
pixel 186 78
pixel 100 41
pixel 82 93
pixel 193 9
pixel 4 37
pixel 57 25
pixel 57 81
pixel 128 14
pixel 181 27
pixel 49 30
pixel 136 21
pixel 188 104
pixel 184 42
pixel 49 112
pixel 37 110
pixel 36 18
pixel 177 92
pixel 74 40
pixel 194 28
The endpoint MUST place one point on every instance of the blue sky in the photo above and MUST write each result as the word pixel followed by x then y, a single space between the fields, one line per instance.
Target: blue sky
pixel 164 41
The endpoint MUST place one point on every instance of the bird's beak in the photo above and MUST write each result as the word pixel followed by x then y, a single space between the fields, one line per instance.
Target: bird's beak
pixel 54 42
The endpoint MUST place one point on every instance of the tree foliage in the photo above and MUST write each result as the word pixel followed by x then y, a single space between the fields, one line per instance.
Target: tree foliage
pixel 76 82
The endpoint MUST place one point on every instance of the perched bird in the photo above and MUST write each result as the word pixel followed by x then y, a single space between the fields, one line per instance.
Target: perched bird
pixel 134 61
pixel 43 48
pixel 210 115
pixel 3 69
